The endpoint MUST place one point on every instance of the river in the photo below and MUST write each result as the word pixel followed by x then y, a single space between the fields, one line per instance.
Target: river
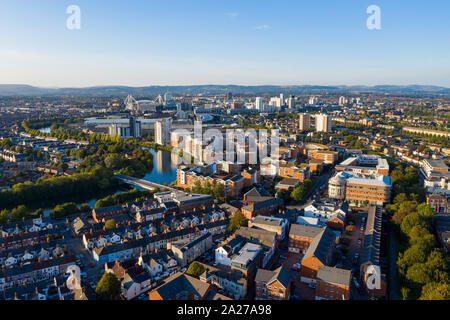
pixel 164 168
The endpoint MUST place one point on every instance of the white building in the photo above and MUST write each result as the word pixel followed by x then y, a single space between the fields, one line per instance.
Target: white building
pixel 323 123
pixel 162 131
pixel 259 104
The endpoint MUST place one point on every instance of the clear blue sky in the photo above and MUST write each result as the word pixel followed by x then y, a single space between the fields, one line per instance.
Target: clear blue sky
pixel 249 42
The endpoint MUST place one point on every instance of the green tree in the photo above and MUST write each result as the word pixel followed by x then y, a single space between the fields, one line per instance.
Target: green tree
pixel 195 269
pixel 110 224
pixel 238 220
pixel 411 220
pixel 109 287
pixel 435 291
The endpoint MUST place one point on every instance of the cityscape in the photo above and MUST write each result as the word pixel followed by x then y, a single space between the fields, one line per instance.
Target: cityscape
pixel 224 192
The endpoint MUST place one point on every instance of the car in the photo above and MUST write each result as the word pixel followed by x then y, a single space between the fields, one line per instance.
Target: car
pixel 282 257
pixel 356 256
pixel 183 270
pixel 312 285
pixel 359 241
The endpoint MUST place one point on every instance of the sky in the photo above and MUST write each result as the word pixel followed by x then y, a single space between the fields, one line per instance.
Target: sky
pixel 245 42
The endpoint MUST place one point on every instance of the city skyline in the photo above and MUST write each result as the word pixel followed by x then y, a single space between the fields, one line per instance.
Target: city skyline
pixel 283 43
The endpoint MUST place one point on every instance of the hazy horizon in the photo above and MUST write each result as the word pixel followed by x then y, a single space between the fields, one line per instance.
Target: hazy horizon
pixel 145 43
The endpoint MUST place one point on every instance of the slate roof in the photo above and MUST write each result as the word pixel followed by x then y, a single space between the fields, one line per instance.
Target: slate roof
pixel 180 282
pixel 266 203
pixel 281 274
pixel 304 231
pixel 320 245
pixel 261 236
pixel 334 275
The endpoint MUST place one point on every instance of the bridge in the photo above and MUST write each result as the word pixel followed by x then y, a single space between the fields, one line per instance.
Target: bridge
pixel 141 183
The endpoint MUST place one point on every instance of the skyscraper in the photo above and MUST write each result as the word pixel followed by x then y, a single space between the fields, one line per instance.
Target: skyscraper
pixel 304 121
pixel 323 123
pixel 313 100
pixel 162 131
pixel 259 104
pixel 291 102
pixel 282 102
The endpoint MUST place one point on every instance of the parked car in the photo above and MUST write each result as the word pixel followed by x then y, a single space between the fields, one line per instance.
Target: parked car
pixel 312 285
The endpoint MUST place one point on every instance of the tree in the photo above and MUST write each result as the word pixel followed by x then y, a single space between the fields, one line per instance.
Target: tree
pixel 195 269
pixel 109 287
pixel 238 220
pixel 110 224
pixel 411 220
pixel 435 291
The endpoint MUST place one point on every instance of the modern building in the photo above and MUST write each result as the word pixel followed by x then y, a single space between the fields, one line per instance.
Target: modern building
pixel 368 164
pixel 323 123
pixel 133 129
pixel 259 104
pixel 357 187
pixel 162 131
pixel 304 121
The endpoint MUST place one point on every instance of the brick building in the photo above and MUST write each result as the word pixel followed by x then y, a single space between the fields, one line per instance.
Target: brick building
pixel 333 283
pixel 273 285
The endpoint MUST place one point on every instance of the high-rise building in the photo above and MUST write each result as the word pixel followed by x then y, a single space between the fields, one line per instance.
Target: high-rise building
pixel 282 102
pixel 304 121
pixel 162 131
pixel 313 100
pixel 291 102
pixel 167 97
pixel 132 130
pixel 259 104
pixel 323 123
pixel 342 101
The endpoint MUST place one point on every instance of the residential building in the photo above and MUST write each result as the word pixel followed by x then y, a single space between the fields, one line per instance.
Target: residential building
pixel 273 285
pixel 323 123
pixel 319 253
pixel 188 250
pixel 269 223
pixel 304 121
pixel 333 283
pixel 162 131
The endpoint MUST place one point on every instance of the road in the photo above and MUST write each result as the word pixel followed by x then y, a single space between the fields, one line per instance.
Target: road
pixel 392 267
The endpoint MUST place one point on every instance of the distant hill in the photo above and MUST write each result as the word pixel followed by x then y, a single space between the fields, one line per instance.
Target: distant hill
pixel 26 90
